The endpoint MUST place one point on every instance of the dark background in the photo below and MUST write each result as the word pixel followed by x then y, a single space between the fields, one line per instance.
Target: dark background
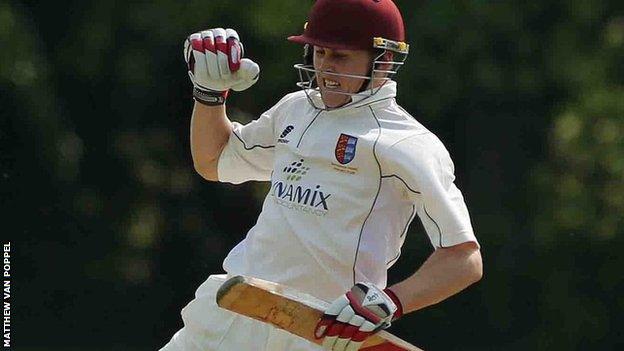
pixel 112 231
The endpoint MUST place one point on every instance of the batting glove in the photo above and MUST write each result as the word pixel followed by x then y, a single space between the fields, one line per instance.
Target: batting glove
pixel 356 315
pixel 215 63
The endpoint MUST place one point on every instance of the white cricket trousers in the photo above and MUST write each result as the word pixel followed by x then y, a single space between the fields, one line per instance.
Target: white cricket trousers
pixel 207 327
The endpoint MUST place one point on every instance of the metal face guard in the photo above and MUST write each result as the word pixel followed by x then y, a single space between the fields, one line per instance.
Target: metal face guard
pixel 307 77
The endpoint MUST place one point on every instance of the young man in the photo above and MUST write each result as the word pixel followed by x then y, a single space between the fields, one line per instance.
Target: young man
pixel 349 170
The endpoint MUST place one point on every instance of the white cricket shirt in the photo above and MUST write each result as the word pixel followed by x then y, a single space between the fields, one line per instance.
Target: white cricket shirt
pixel 345 185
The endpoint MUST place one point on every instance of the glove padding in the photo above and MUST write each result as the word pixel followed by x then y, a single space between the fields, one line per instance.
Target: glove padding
pixel 356 315
pixel 215 62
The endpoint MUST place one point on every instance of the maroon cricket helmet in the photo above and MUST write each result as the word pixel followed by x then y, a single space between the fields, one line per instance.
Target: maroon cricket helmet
pixel 352 24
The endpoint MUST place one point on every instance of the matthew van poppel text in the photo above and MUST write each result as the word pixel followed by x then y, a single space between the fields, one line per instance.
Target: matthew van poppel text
pixel 6 301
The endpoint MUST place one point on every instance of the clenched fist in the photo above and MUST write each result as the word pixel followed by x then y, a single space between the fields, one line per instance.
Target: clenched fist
pixel 356 315
pixel 215 63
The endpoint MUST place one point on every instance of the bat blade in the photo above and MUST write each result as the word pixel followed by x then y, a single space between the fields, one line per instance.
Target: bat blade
pixel 290 310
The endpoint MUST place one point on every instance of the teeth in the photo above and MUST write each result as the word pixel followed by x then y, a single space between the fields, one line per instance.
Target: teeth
pixel 331 83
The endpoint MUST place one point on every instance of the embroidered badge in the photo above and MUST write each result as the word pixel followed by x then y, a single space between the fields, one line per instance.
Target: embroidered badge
pixel 345 148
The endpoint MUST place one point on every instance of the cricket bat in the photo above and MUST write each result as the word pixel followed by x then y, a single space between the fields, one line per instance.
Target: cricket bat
pixel 290 310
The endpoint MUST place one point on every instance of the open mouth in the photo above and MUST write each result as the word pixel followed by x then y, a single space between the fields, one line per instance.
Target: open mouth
pixel 330 84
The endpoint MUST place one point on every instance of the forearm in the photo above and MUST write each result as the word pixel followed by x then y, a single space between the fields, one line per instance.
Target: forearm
pixel 210 131
pixel 445 273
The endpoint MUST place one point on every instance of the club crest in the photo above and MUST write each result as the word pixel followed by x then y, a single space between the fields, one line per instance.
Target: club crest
pixel 345 148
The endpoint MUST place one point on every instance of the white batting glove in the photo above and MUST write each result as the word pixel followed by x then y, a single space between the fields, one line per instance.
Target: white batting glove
pixel 215 63
pixel 356 315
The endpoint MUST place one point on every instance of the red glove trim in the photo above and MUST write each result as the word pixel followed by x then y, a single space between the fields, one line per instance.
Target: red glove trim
pixel 360 336
pixel 335 329
pixel 221 45
pixel 386 346
pixel 234 52
pixel 348 331
pixel 197 44
pixel 357 307
pixel 209 44
pixel 399 312
pixel 326 321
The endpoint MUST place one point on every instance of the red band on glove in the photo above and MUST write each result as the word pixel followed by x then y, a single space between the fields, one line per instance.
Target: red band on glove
pixel 362 311
pixel 386 346
pixel 221 45
pixel 335 329
pixel 208 44
pixel 399 312
pixel 234 52
pixel 325 322
pixel 360 336
pixel 197 44
pixel 348 331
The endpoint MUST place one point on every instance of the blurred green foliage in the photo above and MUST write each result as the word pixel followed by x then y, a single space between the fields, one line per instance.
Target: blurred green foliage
pixel 113 231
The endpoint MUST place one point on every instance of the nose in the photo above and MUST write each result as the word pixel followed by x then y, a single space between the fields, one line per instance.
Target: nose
pixel 326 65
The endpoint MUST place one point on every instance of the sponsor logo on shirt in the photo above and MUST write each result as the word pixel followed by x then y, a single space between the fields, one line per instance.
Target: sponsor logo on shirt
pixel 345 148
pixel 296 170
pixel 298 197
pixel 284 134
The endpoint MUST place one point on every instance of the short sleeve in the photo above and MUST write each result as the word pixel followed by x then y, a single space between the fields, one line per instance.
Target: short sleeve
pixel 425 168
pixel 249 153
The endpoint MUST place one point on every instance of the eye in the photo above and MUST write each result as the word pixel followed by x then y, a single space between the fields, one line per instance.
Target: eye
pixel 320 52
